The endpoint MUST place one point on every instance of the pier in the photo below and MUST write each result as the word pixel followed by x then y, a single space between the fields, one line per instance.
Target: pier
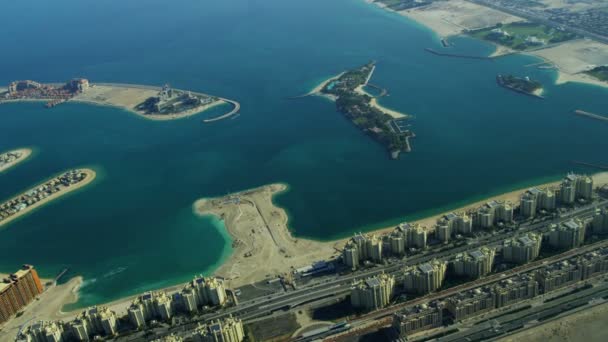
pixel 591 115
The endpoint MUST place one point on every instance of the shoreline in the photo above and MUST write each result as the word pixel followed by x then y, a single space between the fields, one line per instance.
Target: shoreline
pixel 26 153
pixel 91 175
pixel 445 29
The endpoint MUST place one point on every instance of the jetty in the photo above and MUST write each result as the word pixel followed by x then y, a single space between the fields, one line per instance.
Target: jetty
pixel 591 115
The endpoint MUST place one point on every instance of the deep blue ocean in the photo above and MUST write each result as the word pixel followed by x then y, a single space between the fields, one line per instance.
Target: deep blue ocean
pixel 134 230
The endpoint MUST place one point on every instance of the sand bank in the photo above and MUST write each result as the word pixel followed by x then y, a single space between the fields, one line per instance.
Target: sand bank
pixel 89 178
pixel 127 97
pixel 25 153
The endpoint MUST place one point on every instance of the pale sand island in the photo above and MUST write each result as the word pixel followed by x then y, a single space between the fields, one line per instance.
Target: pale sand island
pixel 63 190
pixel 13 158
pixel 454 17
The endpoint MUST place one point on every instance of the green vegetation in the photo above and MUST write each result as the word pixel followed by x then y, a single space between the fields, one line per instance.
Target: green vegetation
pixel 522 85
pixel 356 107
pixel 522 35
pixel 399 5
pixel 601 73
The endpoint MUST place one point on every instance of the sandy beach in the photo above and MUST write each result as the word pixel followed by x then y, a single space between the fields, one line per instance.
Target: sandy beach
pixel 90 177
pixel 128 97
pixel 374 103
pixel 25 153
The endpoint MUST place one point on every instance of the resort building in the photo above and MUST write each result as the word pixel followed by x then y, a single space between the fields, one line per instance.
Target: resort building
pixel 470 303
pixel 492 213
pixel 593 263
pixel 418 318
pixel 18 290
pixel 361 248
pixel 522 249
pixel 350 255
pixel 95 321
pixel 372 293
pixel 567 235
pixel 150 306
pixel 451 224
pixel 424 278
pixel 474 264
pixel 228 329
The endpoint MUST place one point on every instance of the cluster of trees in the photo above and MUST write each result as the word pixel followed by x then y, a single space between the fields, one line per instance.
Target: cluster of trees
pixel 520 84
pixel 600 72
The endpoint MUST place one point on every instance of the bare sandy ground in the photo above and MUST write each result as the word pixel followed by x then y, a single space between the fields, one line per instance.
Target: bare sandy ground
pixel 128 98
pixel 449 18
pixel 25 153
pixel 263 245
pixel 90 177
pixel 572 58
pixel 586 325
pixel 46 307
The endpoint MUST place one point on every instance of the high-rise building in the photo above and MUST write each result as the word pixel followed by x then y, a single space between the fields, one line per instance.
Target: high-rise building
pixel 485 217
pixel 418 318
pixel 361 248
pixel 515 289
pixel 374 248
pixel 575 187
pixel 593 263
pixel 547 200
pixel 522 249
pixel 42 331
pixel 558 275
pixel 567 235
pixel 148 306
pixel 424 278
pixel 372 293
pixel 474 264
pixel 453 223
pixel 93 321
pixel 470 303
pixel 228 329
pixel 18 290
pixel 600 222
pixel 528 203
pixel 504 212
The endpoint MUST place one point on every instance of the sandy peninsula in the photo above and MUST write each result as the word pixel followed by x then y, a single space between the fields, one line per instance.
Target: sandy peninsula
pixel 25 153
pixel 454 17
pixel 90 176
pixel 127 97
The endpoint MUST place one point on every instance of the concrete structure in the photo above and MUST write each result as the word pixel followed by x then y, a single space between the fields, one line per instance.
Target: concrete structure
pixel 149 306
pixel 424 278
pixel 418 318
pixel 600 222
pixel 42 331
pixel 95 321
pixel 522 249
pixel 361 248
pixel 593 263
pixel 567 235
pixel 493 213
pixel 350 255
pixel 18 290
pixel 474 264
pixel 228 329
pixel 470 303
pixel 372 293
pixel 528 203
pixel 515 289
pixel 504 212
pixel 451 224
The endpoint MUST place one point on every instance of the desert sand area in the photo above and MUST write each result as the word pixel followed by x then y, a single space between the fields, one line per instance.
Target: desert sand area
pixel 574 57
pixel 46 307
pixel 586 325
pixel 25 153
pixel 128 97
pixel 449 18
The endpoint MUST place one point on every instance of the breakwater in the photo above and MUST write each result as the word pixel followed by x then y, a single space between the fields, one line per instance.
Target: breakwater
pixel 591 115
pixel 456 55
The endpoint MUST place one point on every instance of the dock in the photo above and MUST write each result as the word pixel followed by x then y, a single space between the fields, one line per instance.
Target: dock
pixel 591 115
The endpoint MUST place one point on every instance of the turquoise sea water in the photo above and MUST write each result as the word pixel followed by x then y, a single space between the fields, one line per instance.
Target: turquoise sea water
pixel 133 229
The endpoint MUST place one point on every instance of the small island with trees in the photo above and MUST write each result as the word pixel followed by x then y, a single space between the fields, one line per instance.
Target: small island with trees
pixel 523 85
pixel 386 126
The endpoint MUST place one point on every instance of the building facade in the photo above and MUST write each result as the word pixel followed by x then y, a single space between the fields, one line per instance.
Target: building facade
pixel 372 293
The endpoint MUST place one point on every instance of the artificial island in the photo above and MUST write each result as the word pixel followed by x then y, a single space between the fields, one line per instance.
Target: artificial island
pixel 44 193
pixel 387 126
pixel 156 103
pixel 14 157
pixel 521 85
